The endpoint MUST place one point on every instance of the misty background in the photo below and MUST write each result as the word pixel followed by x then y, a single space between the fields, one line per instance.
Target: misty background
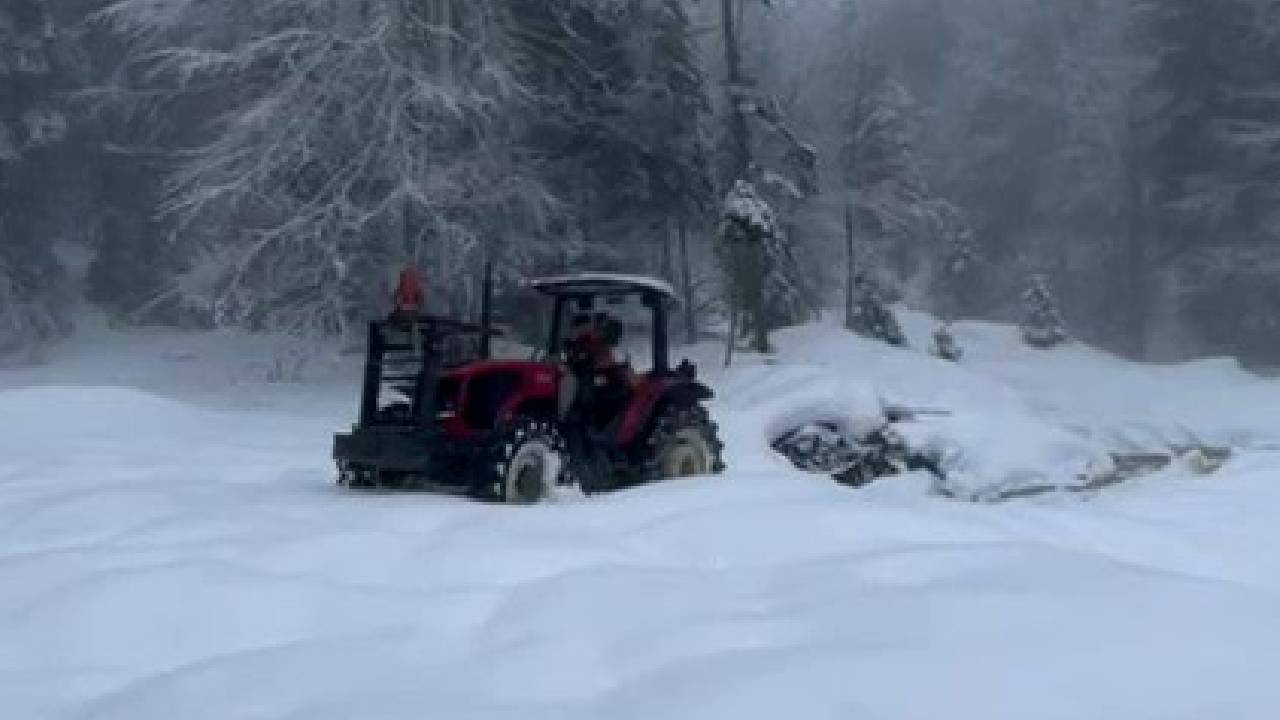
pixel 270 164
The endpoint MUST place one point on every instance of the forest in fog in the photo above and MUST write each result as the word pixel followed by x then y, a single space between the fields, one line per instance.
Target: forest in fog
pixel 270 164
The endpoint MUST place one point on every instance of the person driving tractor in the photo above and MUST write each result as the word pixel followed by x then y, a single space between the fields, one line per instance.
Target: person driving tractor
pixel 588 348
pixel 601 382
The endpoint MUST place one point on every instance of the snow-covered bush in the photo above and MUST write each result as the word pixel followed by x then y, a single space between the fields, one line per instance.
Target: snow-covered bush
pixel 760 267
pixel 945 345
pixel 871 315
pixel 32 311
pixel 1042 325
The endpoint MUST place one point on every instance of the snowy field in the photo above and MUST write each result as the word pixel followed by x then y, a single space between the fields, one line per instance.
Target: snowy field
pixel 172 547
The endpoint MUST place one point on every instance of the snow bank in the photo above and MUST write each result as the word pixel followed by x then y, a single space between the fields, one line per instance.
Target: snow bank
pixel 161 559
pixel 1017 417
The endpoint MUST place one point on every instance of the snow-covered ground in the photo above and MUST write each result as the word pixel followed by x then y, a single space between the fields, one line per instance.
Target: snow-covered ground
pixel 172 546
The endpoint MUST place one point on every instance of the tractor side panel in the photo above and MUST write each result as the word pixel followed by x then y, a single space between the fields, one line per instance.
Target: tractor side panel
pixel 648 396
pixel 493 391
pixel 487 395
pixel 538 393
pixel 643 401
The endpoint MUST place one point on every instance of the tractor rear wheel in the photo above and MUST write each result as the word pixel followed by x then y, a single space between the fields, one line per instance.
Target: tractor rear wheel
pixel 526 463
pixel 683 442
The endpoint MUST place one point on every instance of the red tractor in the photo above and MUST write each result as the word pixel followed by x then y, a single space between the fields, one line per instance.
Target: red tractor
pixel 437 411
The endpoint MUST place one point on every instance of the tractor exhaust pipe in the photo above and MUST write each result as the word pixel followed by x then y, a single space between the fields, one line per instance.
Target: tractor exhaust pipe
pixel 486 312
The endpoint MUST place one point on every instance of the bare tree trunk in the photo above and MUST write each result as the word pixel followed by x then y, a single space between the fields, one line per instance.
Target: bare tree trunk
pixel 849 265
pixel 1134 280
pixel 739 131
pixel 665 260
pixel 444 40
pixel 733 333
pixel 755 300
pixel 746 276
pixel 686 281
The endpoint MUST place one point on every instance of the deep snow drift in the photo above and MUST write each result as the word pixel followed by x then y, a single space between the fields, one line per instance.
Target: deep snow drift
pixel 172 546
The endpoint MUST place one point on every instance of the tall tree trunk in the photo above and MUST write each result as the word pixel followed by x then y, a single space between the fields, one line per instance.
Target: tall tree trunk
pixel 444 38
pixel 733 333
pixel 1134 279
pixel 665 259
pixel 686 282
pixel 849 265
pixel 752 262
pixel 739 131
pixel 746 272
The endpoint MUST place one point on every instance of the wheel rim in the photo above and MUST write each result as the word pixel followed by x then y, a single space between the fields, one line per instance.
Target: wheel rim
pixel 529 482
pixel 526 477
pixel 688 455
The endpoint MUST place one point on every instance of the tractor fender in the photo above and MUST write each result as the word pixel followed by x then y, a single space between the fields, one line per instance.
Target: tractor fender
pixel 651 397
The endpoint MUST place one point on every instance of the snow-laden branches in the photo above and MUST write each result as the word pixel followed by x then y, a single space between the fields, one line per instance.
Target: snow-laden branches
pixel 354 135
pixel 30 304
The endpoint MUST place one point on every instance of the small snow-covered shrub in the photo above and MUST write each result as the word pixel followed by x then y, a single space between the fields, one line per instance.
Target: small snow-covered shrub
pixel 871 315
pixel 32 312
pixel 945 345
pixel 1042 326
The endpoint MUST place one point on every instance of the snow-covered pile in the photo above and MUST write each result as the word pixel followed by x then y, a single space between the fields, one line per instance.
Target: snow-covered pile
pixel 165 558
pixel 1011 416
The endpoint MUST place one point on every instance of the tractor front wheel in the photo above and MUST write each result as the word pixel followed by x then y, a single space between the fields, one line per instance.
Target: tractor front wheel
pixel 683 442
pixel 526 463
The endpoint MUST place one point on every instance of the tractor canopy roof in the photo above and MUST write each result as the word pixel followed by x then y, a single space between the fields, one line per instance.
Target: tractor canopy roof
pixel 587 284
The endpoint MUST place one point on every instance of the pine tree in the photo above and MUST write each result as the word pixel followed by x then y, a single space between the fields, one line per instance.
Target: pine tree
pixel 881 167
pixel 1031 144
pixel 1207 165
pixel 1042 324
pixel 34 127
pixel 681 159
pixel 957 277
pixel 616 126
pixel 129 147
pixel 669 110
pixel 759 265
pixel 1192 93
pixel 896 221
pixel 357 136
pixel 761 148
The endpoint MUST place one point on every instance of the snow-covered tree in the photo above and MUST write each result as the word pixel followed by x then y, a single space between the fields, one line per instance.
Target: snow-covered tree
pixel 614 121
pixel 35 64
pixel 759 266
pixel 1207 163
pixel 957 270
pixel 896 223
pixel 1027 136
pixel 762 146
pixel 1195 93
pixel 680 166
pixel 881 167
pixel 126 147
pixel 945 345
pixel 1042 324
pixel 357 136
